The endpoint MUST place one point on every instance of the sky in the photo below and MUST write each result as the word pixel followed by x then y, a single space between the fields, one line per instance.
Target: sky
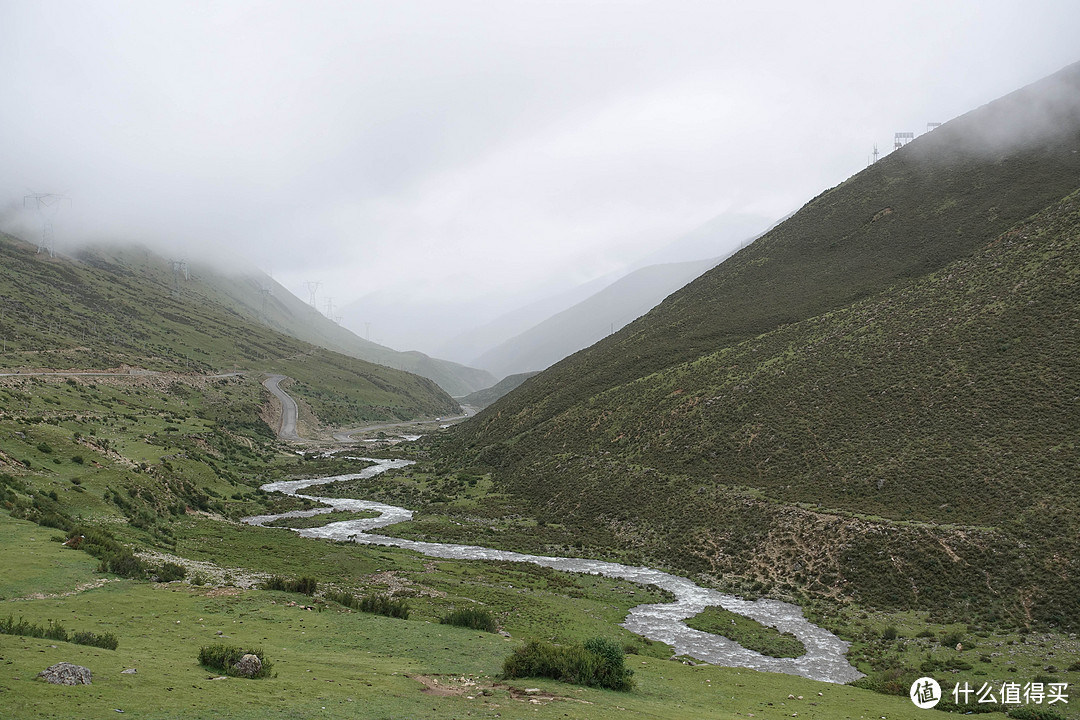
pixel 474 154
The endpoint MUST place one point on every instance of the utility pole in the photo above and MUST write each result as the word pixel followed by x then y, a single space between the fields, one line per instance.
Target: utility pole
pixel 47 205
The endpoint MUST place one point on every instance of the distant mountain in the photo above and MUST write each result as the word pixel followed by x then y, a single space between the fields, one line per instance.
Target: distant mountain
pixel 113 307
pixel 468 345
pixel 875 401
pixel 609 310
pixel 717 238
pixel 258 297
pixel 482 398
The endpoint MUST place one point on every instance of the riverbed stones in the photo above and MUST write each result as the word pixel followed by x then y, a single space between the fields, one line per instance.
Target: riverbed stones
pixel 248 666
pixel 65 673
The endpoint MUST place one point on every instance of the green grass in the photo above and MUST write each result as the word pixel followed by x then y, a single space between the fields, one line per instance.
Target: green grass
pixel 748 633
pixel 324 519
pixel 117 307
pixel 370 660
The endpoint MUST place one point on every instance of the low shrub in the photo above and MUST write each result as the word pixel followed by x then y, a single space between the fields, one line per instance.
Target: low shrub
pixel 472 618
pixel 170 571
pixel 123 563
pixel 56 631
pixel 304 585
pixel 222 658
pixel 599 662
pixel 107 641
pixel 376 604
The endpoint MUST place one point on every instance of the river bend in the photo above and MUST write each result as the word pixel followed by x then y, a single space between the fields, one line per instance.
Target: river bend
pixel 824 659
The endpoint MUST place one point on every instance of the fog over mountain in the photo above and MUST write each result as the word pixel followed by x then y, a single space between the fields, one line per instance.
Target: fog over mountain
pixel 472 155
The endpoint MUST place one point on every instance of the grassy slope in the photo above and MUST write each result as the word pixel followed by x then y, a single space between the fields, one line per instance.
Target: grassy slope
pixel 350 664
pixel 183 438
pixel 485 397
pixel 117 308
pixel 939 199
pixel 912 449
pixel 280 310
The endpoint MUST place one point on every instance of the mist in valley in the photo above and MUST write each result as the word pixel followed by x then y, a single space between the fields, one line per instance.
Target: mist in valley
pixel 451 174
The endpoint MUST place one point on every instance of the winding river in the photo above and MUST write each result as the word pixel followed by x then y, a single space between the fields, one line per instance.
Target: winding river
pixel 824 659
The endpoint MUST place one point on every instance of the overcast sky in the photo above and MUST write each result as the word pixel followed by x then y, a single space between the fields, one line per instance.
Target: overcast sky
pixel 476 149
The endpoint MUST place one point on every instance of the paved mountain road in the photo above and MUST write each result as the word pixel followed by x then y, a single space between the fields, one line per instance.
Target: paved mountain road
pixel 289 411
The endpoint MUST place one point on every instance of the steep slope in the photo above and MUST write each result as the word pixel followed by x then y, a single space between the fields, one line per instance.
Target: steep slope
pixel 125 307
pixel 259 298
pixel 483 398
pixel 916 210
pixel 877 400
pixel 623 301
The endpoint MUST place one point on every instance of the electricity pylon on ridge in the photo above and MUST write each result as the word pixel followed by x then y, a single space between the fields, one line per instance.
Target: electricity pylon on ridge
pixel 312 286
pixel 179 267
pixel 47 205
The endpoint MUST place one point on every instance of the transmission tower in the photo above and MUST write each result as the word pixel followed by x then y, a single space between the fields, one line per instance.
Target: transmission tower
pixel 47 205
pixel 330 309
pixel 312 286
pixel 179 268
pixel 265 293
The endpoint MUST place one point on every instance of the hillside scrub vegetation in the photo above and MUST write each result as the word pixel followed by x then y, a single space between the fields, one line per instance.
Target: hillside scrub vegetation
pixel 875 401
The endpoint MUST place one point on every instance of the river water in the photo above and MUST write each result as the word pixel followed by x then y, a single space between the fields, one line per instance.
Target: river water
pixel 824 659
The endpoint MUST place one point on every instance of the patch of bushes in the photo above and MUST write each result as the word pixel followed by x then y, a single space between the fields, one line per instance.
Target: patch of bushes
pixel 170 571
pixel 599 662
pixel 123 563
pixel 56 631
pixel 304 585
pixel 472 618
pixel 376 604
pixel 222 658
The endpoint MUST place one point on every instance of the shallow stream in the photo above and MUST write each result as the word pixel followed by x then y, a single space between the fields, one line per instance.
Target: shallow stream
pixel 824 659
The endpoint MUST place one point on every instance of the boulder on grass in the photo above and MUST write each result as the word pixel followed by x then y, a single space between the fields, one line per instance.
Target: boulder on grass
pixel 249 666
pixel 66 674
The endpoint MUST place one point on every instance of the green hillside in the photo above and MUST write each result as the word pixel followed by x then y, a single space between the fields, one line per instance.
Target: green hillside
pixel 938 199
pixel 483 398
pixel 125 308
pixel 875 401
pixel 258 298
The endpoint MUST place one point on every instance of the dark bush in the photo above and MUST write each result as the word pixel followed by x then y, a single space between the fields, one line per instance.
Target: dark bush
pixel 56 631
pixel 471 618
pixel 170 571
pixel 889 633
pixel 597 663
pixel 44 447
pixel 123 563
pixel 376 604
pixel 105 640
pixel 305 585
pixel 222 658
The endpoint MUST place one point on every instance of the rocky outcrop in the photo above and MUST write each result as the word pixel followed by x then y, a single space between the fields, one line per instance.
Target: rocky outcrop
pixel 65 673
pixel 249 666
